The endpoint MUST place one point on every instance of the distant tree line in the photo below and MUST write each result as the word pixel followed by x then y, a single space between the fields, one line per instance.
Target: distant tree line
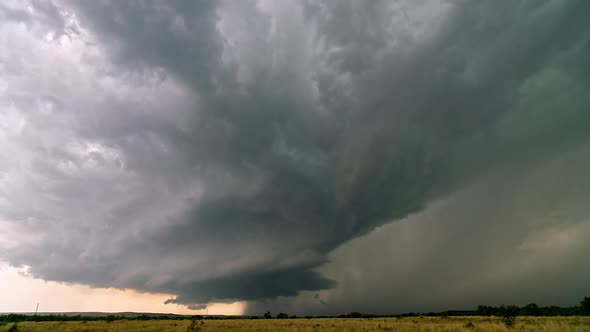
pixel 507 312
pixel 533 309
pixel 8 318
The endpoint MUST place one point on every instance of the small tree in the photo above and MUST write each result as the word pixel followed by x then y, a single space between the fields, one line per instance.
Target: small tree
pixel 282 315
pixel 485 310
pixel 267 315
pixel 531 309
pixel 585 305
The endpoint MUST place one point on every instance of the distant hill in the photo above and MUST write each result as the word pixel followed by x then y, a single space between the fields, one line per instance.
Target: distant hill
pixel 118 314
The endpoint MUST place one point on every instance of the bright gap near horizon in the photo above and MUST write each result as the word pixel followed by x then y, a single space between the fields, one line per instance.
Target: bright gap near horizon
pixel 25 292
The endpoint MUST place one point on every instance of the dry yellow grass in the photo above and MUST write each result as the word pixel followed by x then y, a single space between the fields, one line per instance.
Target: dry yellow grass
pixel 102 326
pixel 421 324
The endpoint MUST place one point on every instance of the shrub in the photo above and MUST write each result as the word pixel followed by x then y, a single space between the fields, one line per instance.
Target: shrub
pixel 509 314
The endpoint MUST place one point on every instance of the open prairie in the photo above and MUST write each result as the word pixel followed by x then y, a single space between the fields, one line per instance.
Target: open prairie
pixel 425 324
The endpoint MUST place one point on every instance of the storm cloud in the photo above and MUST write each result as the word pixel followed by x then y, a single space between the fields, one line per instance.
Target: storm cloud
pixel 238 150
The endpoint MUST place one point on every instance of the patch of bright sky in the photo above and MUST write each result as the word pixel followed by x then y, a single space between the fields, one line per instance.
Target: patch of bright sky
pixel 21 293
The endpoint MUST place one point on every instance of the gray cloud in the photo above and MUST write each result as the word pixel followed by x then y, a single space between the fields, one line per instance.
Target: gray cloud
pixel 222 151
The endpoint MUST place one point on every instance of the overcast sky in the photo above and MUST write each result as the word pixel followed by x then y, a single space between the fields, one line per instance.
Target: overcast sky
pixel 312 156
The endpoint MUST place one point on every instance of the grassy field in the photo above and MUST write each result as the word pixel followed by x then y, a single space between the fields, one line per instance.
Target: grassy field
pixel 314 325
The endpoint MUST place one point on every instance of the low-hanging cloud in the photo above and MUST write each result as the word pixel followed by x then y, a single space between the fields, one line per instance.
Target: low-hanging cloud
pixel 221 150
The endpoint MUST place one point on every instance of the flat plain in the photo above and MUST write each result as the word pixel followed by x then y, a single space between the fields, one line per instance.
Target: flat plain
pixel 422 324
